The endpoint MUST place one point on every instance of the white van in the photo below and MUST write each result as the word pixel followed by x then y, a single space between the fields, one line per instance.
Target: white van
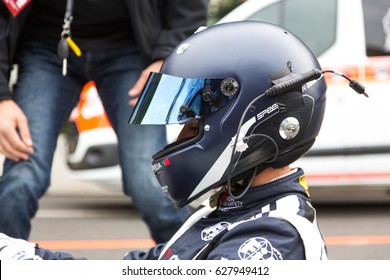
pixel 352 153
pixel 350 160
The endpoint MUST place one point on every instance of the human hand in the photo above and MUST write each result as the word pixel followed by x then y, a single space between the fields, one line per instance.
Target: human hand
pixel 139 85
pixel 16 249
pixel 13 145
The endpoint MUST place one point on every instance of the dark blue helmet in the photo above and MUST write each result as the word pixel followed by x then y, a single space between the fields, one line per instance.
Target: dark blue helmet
pixel 242 84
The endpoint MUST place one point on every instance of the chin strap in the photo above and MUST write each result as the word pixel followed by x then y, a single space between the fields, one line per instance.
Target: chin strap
pixel 249 183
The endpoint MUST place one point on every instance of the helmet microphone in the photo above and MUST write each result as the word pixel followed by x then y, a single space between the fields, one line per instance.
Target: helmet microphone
pixel 300 79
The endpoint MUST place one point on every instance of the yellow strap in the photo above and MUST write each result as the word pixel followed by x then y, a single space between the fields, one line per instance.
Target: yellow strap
pixel 73 46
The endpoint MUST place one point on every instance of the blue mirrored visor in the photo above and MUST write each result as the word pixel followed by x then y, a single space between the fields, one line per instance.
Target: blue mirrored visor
pixel 170 100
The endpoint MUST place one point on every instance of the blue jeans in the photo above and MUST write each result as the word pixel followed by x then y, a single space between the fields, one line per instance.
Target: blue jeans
pixel 47 98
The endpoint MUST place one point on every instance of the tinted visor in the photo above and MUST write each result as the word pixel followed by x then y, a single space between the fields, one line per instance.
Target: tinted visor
pixel 168 100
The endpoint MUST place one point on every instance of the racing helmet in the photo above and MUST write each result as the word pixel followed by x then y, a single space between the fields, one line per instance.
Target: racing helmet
pixel 256 94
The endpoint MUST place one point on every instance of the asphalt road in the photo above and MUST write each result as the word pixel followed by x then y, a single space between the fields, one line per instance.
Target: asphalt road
pixel 88 220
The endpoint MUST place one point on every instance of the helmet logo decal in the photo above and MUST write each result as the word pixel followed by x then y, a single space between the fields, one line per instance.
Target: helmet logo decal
pixel 229 87
pixel 271 109
pixel 289 128
pixel 161 165
pixel 182 48
pixel 258 248
pixel 210 232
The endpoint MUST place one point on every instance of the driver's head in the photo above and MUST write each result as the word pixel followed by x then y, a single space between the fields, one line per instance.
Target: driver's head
pixel 213 84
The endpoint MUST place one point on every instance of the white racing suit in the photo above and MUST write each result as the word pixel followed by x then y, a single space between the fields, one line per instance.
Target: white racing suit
pixel 273 221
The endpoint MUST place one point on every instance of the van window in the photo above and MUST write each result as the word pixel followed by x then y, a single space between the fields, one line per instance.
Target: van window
pixel 377 27
pixel 313 21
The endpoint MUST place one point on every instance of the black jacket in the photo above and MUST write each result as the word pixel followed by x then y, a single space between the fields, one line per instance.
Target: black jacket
pixel 158 26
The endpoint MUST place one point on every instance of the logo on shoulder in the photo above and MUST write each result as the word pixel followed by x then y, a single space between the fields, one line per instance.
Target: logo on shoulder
pixel 210 232
pixel 258 248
